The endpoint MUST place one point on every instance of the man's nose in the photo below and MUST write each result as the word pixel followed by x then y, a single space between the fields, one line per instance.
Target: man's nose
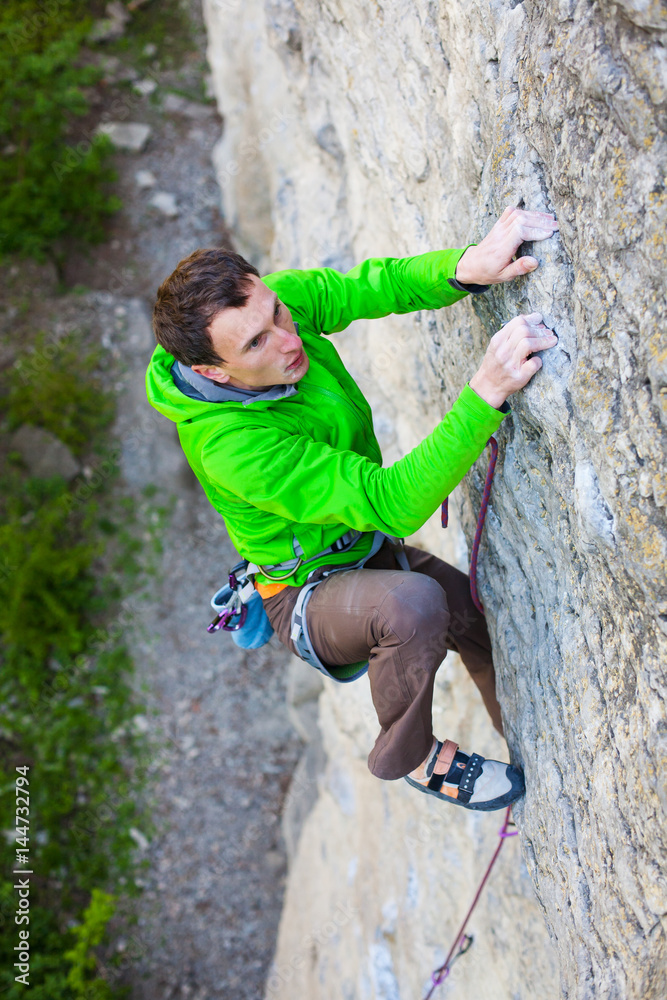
pixel 289 341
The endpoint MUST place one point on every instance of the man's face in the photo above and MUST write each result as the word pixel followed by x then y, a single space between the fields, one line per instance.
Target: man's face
pixel 258 341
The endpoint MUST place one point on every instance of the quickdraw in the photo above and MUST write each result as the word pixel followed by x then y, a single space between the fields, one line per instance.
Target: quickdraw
pixel 231 601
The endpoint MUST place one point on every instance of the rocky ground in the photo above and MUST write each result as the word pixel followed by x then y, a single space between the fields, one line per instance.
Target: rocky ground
pixel 213 885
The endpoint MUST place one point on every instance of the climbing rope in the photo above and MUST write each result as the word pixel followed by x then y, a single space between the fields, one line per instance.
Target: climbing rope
pixel 462 941
pixel 444 517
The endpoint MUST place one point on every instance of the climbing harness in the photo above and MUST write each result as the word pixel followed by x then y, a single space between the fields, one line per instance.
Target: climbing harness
pixel 444 517
pixel 463 941
pixel 290 566
pixel 299 626
pixel 240 610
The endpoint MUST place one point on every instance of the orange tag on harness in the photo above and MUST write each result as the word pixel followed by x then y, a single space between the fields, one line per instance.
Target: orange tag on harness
pixel 266 590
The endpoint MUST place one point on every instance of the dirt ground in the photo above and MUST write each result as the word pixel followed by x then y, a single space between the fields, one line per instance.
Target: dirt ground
pixel 206 922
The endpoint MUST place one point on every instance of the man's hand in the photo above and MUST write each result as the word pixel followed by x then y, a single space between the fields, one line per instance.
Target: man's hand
pixel 490 262
pixel 507 365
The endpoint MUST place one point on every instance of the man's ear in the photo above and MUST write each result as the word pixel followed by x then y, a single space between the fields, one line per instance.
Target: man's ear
pixel 215 374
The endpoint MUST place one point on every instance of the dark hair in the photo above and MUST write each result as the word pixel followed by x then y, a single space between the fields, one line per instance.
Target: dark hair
pixel 202 284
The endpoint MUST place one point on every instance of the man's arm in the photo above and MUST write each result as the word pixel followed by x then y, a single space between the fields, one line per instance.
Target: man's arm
pixel 310 482
pixel 328 301
pixel 509 364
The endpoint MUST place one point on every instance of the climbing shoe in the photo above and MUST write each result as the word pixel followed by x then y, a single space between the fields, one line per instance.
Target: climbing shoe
pixel 466 780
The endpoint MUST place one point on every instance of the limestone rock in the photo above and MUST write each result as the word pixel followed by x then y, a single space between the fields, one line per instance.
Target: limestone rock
pixel 176 105
pixel 145 179
pixel 44 453
pixel 395 128
pixel 145 87
pixel 165 202
pixel 131 136
pixel 304 686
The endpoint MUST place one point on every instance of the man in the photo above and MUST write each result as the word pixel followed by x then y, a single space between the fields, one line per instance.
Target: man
pixel 281 439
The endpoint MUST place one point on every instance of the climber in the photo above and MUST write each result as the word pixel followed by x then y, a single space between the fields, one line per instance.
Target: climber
pixel 282 441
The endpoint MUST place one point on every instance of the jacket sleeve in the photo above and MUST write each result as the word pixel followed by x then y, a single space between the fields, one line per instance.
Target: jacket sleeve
pixel 330 301
pixel 308 481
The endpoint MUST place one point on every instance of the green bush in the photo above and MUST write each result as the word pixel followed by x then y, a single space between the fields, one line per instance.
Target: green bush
pixel 66 699
pixel 48 391
pixel 88 935
pixel 51 187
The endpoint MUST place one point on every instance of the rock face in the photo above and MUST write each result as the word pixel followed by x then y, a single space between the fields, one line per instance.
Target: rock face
pixel 356 130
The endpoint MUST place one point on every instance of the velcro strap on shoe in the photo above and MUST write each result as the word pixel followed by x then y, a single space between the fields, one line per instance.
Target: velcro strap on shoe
pixel 472 771
pixel 446 757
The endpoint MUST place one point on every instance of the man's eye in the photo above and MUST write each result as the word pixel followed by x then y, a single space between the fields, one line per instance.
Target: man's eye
pixel 255 342
pixel 277 309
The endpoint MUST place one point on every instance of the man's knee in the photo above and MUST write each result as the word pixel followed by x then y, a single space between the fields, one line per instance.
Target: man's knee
pixel 417 609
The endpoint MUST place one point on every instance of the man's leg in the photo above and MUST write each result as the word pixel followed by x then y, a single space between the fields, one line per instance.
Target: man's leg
pixel 468 634
pixel 400 622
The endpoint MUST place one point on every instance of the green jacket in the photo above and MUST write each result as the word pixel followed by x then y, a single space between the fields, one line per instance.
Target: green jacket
pixel 307 465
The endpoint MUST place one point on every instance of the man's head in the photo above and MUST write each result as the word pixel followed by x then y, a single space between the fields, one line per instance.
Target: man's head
pixel 215 315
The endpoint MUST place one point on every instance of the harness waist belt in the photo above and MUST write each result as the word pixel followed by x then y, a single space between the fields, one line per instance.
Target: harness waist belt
pixel 290 566
pixel 342 544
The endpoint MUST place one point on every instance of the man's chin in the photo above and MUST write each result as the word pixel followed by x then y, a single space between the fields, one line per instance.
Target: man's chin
pixel 300 369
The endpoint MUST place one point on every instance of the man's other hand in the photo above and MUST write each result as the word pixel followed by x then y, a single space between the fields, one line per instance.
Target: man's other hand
pixel 507 364
pixel 490 262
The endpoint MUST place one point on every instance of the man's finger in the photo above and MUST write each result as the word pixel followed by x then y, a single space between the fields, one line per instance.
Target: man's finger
pixel 518 267
pixel 532 365
pixel 537 218
pixel 529 345
pixel 531 233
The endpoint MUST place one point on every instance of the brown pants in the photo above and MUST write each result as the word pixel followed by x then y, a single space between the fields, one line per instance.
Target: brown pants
pixel 403 624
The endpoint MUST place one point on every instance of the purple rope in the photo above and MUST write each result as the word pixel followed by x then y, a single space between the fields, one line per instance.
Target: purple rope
pixel 444 512
pixel 444 517
pixel 441 974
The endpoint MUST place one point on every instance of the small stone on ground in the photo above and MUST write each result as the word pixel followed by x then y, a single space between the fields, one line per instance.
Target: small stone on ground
pixel 145 179
pixel 166 203
pixel 131 136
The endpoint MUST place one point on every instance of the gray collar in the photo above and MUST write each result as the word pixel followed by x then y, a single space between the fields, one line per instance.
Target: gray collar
pixel 197 386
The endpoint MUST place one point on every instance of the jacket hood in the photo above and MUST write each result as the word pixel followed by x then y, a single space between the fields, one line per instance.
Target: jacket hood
pixel 180 394
pixel 164 395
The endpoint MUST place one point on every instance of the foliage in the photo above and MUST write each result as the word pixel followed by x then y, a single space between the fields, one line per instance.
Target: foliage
pixel 166 27
pixel 47 390
pixel 88 935
pixel 46 582
pixel 51 187
pixel 66 699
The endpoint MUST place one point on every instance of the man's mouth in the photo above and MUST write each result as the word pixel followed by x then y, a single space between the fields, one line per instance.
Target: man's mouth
pixel 296 363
